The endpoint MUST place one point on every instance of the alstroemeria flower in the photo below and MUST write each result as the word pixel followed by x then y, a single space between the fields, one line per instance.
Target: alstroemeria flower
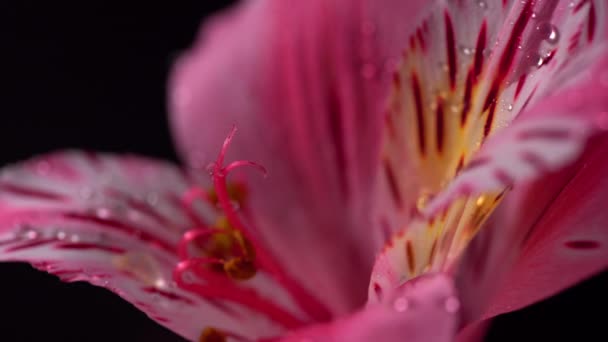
pixel 463 136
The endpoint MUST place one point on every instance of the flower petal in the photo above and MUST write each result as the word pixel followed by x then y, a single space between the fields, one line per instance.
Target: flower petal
pixel 304 83
pixel 469 70
pixel 563 109
pixel 549 235
pixel 115 222
pixel 426 309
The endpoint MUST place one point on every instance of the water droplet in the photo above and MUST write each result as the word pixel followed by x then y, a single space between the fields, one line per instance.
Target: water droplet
pixel 548 32
pixel 482 4
pixel 28 233
pixel 467 50
pixel 452 304
pixel 534 15
pixel 401 304
pixel 161 283
pixel 540 61
pixel 510 107
pixel 61 235
pixel 103 213
pixel 142 265
pixel 368 71
pixel 571 4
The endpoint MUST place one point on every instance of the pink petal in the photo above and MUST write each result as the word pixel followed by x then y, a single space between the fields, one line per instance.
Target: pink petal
pixel 470 69
pixel 561 104
pixel 559 113
pixel 115 222
pixel 550 234
pixel 305 83
pixel 425 309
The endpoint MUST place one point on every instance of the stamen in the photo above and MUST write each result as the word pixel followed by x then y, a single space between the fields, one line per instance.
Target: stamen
pixel 212 335
pixel 240 268
pixel 229 252
pixel 310 304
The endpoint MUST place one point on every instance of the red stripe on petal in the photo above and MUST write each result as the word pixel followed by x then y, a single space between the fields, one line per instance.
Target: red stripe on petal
pixel 479 49
pixel 591 22
pixel 440 129
pixel 23 191
pixel 419 113
pixel 451 49
pixel 392 183
pixel 90 246
pixel 140 233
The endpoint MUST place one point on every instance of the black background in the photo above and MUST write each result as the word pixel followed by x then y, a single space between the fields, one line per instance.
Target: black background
pixel 93 77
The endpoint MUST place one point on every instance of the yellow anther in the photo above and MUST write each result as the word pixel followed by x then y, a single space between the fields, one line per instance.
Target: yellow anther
pixel 240 268
pixel 245 244
pixel 212 335
pixel 222 223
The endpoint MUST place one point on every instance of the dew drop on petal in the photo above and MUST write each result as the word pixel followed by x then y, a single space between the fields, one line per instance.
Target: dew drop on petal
pixel 482 4
pixel 548 32
pixel 539 62
pixel 61 235
pixel 401 304
pixel 467 50
pixel 30 234
pixel 141 265
pixel 103 213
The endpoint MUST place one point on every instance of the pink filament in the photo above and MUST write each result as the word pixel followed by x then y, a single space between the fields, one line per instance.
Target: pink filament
pixel 309 303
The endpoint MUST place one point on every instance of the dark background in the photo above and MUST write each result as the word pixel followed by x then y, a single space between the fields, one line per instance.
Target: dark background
pixel 93 77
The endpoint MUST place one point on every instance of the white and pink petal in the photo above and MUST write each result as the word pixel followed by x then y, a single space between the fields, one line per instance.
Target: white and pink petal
pixel 116 221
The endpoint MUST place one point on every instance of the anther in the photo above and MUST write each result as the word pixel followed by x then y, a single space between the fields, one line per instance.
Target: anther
pixel 240 268
pixel 212 335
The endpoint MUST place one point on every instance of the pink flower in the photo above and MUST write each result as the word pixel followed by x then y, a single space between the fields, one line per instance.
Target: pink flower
pixel 466 137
